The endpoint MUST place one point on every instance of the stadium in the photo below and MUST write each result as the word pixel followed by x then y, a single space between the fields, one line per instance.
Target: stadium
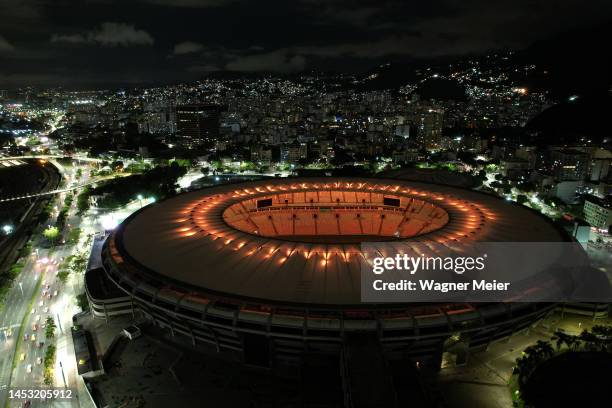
pixel 269 271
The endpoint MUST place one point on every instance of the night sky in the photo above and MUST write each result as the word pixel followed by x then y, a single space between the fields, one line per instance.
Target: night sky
pixel 130 42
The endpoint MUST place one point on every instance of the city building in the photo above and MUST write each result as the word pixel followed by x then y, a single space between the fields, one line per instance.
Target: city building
pixel 405 156
pixel 600 165
pixel 528 154
pixel 515 169
pixel 598 212
pixel 197 124
pixel 261 154
pixel 157 122
pixel 569 164
pixel 567 191
pixel 431 123
pixel 293 152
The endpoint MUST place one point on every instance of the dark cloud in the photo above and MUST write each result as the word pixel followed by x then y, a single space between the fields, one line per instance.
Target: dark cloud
pixel 188 47
pixel 282 60
pixel 109 35
pixel 175 40
pixel 203 68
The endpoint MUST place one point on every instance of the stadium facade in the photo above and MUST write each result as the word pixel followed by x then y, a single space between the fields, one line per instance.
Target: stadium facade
pixel 269 271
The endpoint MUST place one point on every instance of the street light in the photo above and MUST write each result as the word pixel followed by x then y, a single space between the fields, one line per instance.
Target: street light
pixel 7 229
pixel 139 196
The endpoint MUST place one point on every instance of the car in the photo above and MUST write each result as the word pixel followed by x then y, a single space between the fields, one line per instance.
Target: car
pixel 38 318
pixel 25 337
pixel 33 337
pixel 9 332
pixel 29 368
pixel 41 303
pixel 41 344
pixel 46 310
pixel 54 293
pixel 39 360
pixel 22 357
pixel 32 311
pixel 34 327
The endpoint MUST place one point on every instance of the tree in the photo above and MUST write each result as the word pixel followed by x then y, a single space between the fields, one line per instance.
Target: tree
pixel 51 234
pixel 117 165
pixel 50 327
pixel 545 348
pixel 82 302
pixel 83 201
pixel 589 340
pixel 68 199
pixel 63 275
pixel 604 337
pixel 78 262
pixel 528 187
pixel 561 338
pixel 521 199
pixel 46 212
pixel 73 235
pixel 49 362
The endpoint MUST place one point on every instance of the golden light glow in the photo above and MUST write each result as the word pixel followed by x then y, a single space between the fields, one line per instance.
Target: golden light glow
pixel 421 212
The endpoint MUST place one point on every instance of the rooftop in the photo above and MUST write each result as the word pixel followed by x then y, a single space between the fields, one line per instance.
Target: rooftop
pixel 218 241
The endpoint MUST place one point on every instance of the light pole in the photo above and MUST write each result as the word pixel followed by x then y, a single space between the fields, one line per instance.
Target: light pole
pixel 63 376
pixel 59 323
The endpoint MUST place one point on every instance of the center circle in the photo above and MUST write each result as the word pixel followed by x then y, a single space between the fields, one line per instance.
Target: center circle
pixel 338 216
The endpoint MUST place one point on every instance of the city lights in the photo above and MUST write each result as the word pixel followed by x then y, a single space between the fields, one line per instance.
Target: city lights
pixel 195 195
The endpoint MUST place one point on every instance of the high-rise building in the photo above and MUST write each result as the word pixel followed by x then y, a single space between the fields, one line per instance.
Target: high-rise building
pixel 431 127
pixel 292 153
pixel 598 212
pixel 157 122
pixel 569 164
pixel 601 160
pixel 197 124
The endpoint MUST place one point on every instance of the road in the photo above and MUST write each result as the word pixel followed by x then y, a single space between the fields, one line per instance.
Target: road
pixel 37 286
pixel 29 370
pixel 11 316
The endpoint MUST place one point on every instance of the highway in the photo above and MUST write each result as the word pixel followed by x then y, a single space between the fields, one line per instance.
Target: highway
pixel 55 300
pixel 11 316
pixel 38 294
